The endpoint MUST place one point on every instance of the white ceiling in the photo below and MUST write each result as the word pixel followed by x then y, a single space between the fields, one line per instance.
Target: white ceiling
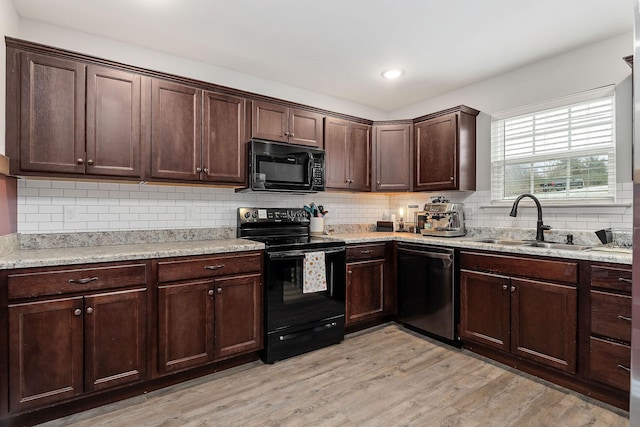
pixel 340 47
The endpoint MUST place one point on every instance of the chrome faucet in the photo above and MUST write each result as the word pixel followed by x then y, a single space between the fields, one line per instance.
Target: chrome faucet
pixel 539 227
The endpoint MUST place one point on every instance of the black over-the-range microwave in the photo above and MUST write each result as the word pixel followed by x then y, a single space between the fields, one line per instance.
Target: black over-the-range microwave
pixel 275 166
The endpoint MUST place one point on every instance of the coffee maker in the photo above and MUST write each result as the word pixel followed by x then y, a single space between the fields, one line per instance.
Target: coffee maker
pixel 441 218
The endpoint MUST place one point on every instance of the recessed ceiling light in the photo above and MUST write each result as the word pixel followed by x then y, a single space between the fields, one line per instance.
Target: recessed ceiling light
pixel 392 74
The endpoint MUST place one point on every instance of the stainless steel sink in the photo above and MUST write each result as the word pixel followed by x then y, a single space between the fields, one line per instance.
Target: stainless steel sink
pixel 563 246
pixel 534 244
pixel 501 242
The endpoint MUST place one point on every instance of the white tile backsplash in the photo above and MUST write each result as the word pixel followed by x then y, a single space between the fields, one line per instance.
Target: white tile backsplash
pixel 113 206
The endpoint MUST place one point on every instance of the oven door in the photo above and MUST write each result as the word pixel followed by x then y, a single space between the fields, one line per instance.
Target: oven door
pixel 286 304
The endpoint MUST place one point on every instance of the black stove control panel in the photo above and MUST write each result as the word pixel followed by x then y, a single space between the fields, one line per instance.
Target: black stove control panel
pixel 269 215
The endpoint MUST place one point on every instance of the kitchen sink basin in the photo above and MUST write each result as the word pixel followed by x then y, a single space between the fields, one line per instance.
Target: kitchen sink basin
pixel 534 244
pixel 563 246
pixel 502 242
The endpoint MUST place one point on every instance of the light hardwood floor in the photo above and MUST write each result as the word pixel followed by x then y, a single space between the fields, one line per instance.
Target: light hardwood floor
pixel 386 376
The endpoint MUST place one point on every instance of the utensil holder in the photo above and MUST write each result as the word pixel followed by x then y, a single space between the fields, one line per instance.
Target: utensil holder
pixel 316 226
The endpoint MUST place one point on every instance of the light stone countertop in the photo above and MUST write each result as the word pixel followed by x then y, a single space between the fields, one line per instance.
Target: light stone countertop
pixel 94 254
pixel 600 254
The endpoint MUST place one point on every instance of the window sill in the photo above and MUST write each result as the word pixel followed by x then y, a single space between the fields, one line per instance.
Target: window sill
pixel 565 207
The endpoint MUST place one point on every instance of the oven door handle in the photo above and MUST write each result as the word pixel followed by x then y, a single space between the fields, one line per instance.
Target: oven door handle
pixel 299 253
pixel 305 333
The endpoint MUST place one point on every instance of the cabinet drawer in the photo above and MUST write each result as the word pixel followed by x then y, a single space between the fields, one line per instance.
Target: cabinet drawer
pixel 609 363
pixel 56 282
pixel 611 315
pixel 211 266
pixel 560 271
pixel 355 253
pixel 618 279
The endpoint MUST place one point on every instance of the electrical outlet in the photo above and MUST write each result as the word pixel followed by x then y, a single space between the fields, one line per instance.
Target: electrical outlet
pixel 70 214
pixel 189 213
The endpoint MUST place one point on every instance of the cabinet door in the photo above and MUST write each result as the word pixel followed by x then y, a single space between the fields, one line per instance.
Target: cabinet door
pixel 52 117
pixel 45 352
pixel 115 344
pixel 485 309
pixel 270 121
pixel 436 154
pixel 113 122
pixel 393 155
pixel 238 315
pixel 185 325
pixel 336 132
pixel 360 157
pixel 365 290
pixel 175 131
pixel 305 128
pixel 223 145
pixel 544 322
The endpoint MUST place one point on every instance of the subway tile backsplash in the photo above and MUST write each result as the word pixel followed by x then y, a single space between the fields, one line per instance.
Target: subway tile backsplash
pixel 50 206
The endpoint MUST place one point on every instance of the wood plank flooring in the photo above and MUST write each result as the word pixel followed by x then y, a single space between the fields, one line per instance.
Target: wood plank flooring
pixel 386 376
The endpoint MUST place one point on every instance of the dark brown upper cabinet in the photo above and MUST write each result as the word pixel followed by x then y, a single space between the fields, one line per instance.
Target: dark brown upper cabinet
pixel 223 138
pixel 60 133
pixel 348 154
pixel 277 122
pixel 113 122
pixel 445 150
pixel 392 150
pixel 176 122
pixel 52 119
pixel 196 135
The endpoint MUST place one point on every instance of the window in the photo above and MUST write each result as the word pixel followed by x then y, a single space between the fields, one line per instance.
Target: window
pixel 559 150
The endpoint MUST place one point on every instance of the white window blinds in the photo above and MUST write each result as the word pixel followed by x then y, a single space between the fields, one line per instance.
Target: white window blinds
pixel 555 151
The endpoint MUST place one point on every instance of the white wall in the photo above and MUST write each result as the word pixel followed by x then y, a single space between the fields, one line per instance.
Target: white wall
pixel 8 27
pixel 101 47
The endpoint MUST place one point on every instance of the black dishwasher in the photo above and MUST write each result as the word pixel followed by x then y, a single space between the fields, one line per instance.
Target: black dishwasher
pixel 427 291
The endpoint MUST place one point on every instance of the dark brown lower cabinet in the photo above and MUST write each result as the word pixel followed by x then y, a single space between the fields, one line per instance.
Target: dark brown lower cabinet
pixel 533 319
pixel 371 286
pixel 211 318
pixel 61 348
pixel 365 290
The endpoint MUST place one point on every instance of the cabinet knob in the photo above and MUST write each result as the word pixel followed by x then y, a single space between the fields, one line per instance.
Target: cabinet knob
pixel 205 170
pixel 450 178
pixel 504 287
pixel 219 290
pixel 89 310
pixel 349 272
pixel 79 160
pixel 77 312
pixel 210 292
pixel 198 170
pixel 291 135
pixel 513 289
pixel 90 162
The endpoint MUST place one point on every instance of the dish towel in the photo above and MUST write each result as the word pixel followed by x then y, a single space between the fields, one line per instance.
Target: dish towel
pixel 315 274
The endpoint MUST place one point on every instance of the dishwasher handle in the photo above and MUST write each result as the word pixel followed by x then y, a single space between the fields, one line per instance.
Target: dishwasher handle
pixel 429 254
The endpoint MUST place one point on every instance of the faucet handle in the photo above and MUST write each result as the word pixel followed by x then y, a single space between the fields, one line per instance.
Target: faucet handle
pixel 545 227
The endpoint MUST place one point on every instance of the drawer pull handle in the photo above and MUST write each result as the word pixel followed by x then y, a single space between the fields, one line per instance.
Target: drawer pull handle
pixel 83 281
pixel 624 368
pixel 214 267
pixel 628 319
pixel 366 251
pixel 625 280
